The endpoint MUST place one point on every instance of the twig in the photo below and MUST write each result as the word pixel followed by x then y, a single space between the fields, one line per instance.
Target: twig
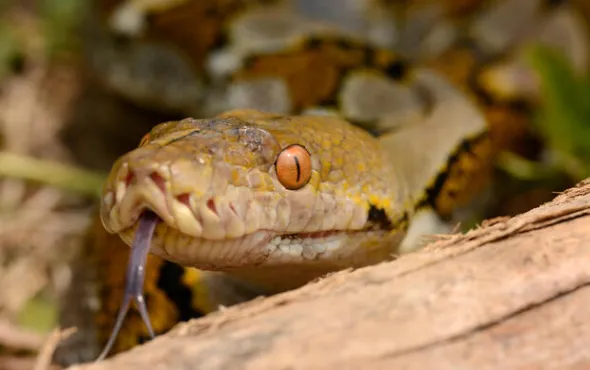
pixel 43 361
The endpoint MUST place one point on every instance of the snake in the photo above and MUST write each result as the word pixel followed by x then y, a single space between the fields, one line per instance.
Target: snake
pixel 319 139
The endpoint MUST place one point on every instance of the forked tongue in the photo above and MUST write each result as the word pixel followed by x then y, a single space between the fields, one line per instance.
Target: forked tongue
pixel 134 278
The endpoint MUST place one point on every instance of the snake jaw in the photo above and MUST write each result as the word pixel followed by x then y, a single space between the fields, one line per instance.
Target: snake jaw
pixel 181 235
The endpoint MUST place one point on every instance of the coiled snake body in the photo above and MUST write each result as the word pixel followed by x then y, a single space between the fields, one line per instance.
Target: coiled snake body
pixel 332 151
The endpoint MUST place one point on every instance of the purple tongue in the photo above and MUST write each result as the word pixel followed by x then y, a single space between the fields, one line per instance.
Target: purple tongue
pixel 134 278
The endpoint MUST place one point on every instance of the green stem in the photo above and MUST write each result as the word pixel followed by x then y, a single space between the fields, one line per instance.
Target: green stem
pixel 51 173
pixel 524 169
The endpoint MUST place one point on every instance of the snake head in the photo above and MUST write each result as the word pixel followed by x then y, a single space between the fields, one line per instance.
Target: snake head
pixel 247 188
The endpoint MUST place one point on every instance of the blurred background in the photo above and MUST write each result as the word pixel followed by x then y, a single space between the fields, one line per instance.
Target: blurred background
pixel 62 126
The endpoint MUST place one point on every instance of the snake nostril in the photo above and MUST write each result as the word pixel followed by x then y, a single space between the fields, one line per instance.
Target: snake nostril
pixel 211 205
pixel 158 180
pixel 184 199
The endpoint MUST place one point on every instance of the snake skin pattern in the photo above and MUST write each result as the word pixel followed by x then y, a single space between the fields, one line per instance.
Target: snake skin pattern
pixel 401 105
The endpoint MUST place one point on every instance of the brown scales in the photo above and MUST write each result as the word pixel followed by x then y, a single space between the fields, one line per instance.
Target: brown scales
pixel 194 27
pixel 314 69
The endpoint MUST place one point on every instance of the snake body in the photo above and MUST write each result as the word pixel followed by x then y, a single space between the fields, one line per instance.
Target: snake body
pixel 394 149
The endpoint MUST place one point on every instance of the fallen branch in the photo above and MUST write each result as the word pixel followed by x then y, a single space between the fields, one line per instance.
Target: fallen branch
pixel 512 294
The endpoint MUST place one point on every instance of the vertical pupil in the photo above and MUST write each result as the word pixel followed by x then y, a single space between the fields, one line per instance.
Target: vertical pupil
pixel 298 168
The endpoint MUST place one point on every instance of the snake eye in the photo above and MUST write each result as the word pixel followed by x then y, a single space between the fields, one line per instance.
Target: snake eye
pixel 145 139
pixel 293 167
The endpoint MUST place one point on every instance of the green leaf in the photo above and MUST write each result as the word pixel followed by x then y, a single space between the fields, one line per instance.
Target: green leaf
pixel 39 314
pixel 60 19
pixel 564 116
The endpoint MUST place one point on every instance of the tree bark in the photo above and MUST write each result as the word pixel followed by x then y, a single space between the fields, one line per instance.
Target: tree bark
pixel 512 294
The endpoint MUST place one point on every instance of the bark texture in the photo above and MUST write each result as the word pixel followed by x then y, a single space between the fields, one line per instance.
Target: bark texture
pixel 513 294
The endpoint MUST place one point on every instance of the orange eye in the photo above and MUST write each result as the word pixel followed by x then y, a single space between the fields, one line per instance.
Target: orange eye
pixel 293 167
pixel 145 139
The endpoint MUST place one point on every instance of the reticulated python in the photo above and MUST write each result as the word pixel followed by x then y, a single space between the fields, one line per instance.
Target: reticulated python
pixel 360 128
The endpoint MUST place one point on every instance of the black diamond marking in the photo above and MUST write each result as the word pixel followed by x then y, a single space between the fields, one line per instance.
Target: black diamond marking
pixel 466 147
pixel 397 70
pixel 377 216
pixel 170 282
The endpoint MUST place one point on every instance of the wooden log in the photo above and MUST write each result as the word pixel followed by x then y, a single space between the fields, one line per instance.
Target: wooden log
pixel 512 294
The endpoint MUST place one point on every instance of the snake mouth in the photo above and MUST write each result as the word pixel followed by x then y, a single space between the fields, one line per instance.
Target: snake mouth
pixel 261 247
pixel 177 241
pixel 211 233
pixel 257 248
